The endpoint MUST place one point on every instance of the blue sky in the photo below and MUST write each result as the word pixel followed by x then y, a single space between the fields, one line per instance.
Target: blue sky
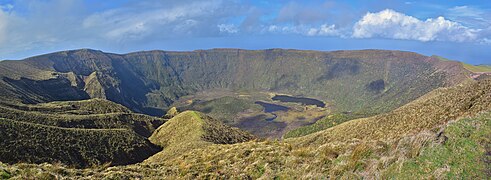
pixel 459 30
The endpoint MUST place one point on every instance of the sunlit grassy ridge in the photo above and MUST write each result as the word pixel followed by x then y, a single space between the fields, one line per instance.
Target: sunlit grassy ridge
pixel 472 68
pixel 322 124
pixel 191 130
pixel 480 68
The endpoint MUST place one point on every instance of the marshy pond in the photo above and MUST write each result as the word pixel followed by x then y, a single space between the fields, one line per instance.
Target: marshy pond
pixel 301 100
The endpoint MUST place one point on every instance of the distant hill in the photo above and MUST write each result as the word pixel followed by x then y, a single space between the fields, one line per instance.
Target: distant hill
pixel 148 82
pixel 470 67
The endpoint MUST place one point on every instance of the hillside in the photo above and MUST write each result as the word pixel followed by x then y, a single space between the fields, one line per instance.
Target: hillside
pixel 363 82
pixel 191 130
pixel 478 68
pixel 79 134
pixel 442 135
pixel 149 82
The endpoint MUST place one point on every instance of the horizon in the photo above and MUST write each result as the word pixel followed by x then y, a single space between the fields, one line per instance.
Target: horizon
pixel 455 30
pixel 163 50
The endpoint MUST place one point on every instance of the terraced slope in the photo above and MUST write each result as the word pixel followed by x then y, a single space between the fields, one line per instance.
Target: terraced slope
pixel 79 134
pixel 34 143
pixel 148 82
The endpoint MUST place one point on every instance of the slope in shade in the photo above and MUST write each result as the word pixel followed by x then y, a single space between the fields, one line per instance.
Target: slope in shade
pixel 78 134
pixel 27 142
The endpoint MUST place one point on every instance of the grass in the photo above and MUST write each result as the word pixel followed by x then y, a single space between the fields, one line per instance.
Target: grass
pixel 425 155
pixel 224 109
pixel 93 114
pixel 462 156
pixel 3 173
pixel 324 123
pixel 34 143
pixel 480 68
pixel 470 67
pixel 191 130
pixel 76 133
pixel 427 112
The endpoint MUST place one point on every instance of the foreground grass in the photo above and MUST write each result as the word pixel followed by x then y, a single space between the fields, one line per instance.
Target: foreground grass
pixel 457 152
pixel 462 156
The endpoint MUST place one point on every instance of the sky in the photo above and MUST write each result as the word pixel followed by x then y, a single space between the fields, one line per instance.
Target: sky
pixel 457 30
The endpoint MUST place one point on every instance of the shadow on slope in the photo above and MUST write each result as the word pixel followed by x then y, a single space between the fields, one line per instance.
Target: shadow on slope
pixel 75 133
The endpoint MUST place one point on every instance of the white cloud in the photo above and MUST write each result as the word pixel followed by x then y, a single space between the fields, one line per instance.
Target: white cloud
pixel 391 24
pixel 324 30
pixel 470 16
pixel 162 21
pixel 307 30
pixel 228 28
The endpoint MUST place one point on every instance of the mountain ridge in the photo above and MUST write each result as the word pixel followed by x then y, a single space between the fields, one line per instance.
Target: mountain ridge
pixel 149 81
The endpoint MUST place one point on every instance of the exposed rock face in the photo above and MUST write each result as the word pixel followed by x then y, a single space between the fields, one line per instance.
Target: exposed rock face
pixel 150 81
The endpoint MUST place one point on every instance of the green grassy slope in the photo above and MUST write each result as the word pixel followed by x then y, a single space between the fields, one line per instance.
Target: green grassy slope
pixel 433 109
pixel 480 68
pixel 224 109
pixel 464 155
pixel 322 124
pixel 191 130
pixel 472 68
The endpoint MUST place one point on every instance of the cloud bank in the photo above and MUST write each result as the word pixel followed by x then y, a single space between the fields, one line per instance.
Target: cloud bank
pixel 391 24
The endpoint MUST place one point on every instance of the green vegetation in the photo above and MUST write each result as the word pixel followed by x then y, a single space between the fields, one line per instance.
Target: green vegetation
pixel 27 142
pixel 191 130
pixel 224 109
pixel 324 123
pixel 479 68
pixel 80 134
pixel 462 156
pixel 3 173
pixel 149 82
pixel 171 113
pixel 472 68
pixel 93 114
